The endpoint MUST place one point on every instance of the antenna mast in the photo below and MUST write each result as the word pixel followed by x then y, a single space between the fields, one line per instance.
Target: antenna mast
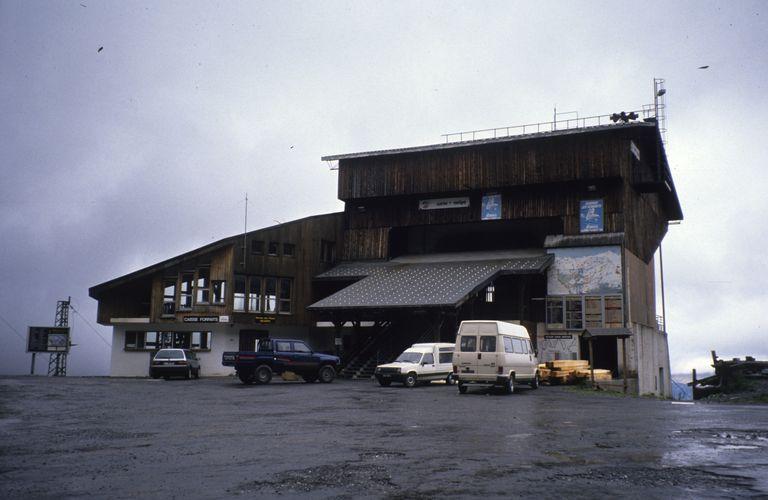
pixel 245 231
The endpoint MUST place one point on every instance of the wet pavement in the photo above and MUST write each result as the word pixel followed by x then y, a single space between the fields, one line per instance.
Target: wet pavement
pixel 216 438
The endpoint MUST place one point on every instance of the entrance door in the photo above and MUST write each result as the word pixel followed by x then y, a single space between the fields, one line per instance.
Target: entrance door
pixel 249 338
pixel 605 351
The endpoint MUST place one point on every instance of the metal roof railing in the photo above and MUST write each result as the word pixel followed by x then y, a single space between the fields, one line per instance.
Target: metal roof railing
pixel 647 111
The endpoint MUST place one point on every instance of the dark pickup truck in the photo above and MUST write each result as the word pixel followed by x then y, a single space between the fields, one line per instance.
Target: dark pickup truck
pixel 281 355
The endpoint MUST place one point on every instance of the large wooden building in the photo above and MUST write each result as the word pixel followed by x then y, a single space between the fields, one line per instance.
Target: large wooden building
pixel 555 230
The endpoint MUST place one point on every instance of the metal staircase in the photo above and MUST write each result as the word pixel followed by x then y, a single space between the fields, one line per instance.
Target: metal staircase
pixel 380 349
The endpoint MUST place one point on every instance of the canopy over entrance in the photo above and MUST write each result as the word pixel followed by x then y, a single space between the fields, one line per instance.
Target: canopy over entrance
pixel 425 281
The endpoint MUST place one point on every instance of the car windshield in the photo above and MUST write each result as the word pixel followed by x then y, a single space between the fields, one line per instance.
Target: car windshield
pixel 409 357
pixel 169 354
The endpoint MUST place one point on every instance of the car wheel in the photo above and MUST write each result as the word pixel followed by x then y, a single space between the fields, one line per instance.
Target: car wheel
pixel 385 382
pixel 166 377
pixel 188 374
pixel 263 374
pixel 535 381
pixel 197 373
pixel 410 380
pixel 449 379
pixel 245 377
pixel 326 374
pixel 462 388
pixel 509 387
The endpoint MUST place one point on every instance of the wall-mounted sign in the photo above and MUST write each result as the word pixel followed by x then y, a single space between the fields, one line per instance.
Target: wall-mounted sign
pixel 201 319
pixel 48 339
pixel 591 216
pixel 558 337
pixel 263 320
pixel 491 207
pixel 441 203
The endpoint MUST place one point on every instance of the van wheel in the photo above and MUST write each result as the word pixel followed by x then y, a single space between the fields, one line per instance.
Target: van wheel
pixel 326 374
pixel 410 380
pixel 449 379
pixel 509 387
pixel 263 375
pixel 535 381
pixel 462 388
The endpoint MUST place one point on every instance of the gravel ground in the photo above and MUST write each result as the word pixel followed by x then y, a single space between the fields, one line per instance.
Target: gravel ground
pixel 216 438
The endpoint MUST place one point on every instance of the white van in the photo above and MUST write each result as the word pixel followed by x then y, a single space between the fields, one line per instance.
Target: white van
pixel 419 363
pixel 494 353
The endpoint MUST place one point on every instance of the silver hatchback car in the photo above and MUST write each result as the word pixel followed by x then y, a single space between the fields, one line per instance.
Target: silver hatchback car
pixel 169 363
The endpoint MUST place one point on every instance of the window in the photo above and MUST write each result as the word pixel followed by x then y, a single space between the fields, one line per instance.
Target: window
pixel 614 318
pixel 270 295
pixel 238 297
pixel 203 285
pixel 429 359
pixel 289 249
pixel 284 305
pixel 487 343
pixel 555 312
pixel 169 298
pixel 272 248
pixel 257 247
pixel 445 357
pixel 518 345
pixel 254 295
pixel 199 340
pixel 593 312
pixel 508 345
pixel 301 347
pixel 185 295
pixel 219 291
pixel 489 292
pixel 573 313
pixel 282 346
pixel 151 341
pixel 468 343
pixel 327 251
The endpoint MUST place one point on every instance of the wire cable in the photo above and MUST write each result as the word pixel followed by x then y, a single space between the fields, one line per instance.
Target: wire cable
pixel 89 324
pixel 13 329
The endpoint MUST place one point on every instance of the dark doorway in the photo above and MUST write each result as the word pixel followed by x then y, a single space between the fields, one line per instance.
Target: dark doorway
pixel 605 351
pixel 248 338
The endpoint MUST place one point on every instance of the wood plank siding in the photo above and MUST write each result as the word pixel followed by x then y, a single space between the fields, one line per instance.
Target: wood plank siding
pixel 482 167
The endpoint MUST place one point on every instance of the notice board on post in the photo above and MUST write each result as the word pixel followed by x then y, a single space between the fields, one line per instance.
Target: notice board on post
pixel 48 339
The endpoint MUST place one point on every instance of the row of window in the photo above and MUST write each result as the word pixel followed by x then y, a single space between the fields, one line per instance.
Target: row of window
pixel 258 294
pixel 488 344
pixel 577 312
pixel 251 293
pixel 272 248
pixel 141 341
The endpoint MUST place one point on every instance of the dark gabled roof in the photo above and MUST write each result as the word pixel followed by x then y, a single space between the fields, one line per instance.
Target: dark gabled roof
pixel 440 283
pixel 97 290
pixel 495 140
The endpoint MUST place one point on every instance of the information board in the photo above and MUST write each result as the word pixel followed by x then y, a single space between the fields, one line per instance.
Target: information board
pixel 48 339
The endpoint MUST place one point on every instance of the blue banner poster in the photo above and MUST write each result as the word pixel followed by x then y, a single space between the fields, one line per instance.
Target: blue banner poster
pixel 491 207
pixel 591 216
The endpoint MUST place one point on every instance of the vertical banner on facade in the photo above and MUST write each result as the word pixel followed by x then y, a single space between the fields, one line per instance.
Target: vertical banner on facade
pixel 491 207
pixel 591 216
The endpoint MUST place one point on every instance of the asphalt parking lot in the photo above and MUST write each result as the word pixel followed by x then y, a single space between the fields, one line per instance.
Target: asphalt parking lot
pixel 216 438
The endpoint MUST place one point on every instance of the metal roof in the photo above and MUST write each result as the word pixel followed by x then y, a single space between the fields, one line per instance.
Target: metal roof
pixel 433 284
pixel 510 138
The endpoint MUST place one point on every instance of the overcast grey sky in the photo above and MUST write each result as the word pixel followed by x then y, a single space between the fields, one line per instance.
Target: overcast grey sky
pixel 113 160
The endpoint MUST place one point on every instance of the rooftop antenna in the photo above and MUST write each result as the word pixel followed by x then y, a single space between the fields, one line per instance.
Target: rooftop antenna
pixel 660 106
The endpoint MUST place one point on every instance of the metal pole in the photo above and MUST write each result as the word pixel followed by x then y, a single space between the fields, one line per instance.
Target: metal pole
pixel 591 364
pixel 32 370
pixel 624 361
pixel 663 305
